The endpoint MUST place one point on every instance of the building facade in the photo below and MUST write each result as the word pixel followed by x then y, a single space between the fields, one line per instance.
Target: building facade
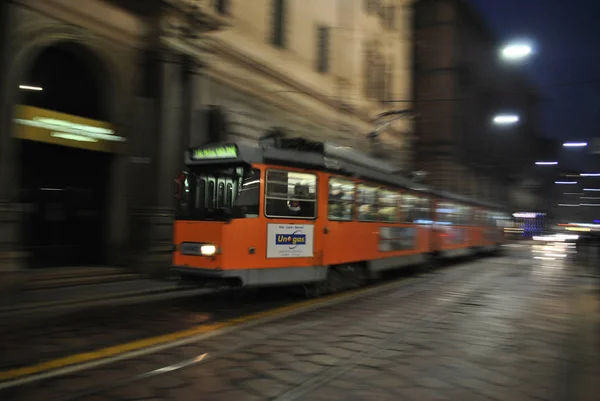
pixel 460 84
pixel 321 69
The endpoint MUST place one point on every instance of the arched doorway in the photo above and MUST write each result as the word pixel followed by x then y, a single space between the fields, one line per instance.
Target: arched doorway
pixel 64 176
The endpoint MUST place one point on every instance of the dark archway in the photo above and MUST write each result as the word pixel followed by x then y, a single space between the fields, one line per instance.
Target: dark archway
pixel 71 77
pixel 65 187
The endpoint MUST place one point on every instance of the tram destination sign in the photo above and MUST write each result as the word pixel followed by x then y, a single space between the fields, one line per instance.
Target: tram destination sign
pixel 214 153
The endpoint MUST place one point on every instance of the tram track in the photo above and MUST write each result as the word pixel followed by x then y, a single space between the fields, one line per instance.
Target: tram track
pixel 424 285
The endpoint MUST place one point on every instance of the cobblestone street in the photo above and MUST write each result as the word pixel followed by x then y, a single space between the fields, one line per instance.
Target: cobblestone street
pixel 496 329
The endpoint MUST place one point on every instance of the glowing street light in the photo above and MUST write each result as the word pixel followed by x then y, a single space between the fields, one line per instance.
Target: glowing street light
pixel 565 182
pixel 546 163
pixel 31 88
pixel 575 144
pixel 589 174
pixel 506 119
pixel 516 51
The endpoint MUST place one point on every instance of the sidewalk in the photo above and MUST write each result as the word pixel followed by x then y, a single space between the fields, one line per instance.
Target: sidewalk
pixel 66 293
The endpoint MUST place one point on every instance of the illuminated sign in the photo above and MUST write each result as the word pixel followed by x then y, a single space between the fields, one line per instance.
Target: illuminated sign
pixel 33 123
pixel 68 130
pixel 528 215
pixel 220 152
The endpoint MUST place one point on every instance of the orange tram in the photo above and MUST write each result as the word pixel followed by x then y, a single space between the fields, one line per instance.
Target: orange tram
pixel 294 212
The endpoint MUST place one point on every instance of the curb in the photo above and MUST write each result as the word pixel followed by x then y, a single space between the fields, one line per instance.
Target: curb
pixel 129 297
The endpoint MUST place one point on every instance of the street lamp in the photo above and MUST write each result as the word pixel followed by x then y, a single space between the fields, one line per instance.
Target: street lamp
pixel 506 119
pixel 516 51
pixel 575 144
pixel 30 88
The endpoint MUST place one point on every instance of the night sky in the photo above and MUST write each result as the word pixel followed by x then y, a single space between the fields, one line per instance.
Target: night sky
pixel 565 65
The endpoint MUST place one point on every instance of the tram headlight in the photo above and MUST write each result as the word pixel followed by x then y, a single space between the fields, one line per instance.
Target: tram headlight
pixel 208 250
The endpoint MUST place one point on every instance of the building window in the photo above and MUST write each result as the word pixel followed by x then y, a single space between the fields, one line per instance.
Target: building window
pixel 278 37
pixel 341 199
pixel 222 6
pixel 291 195
pixel 372 6
pixel 389 84
pixel 323 49
pixel 390 18
pixel 375 74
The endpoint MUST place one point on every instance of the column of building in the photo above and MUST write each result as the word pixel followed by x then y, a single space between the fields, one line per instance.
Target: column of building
pixel 12 258
pixel 178 104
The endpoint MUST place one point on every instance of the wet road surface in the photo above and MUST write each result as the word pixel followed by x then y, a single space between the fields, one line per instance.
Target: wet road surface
pixel 502 328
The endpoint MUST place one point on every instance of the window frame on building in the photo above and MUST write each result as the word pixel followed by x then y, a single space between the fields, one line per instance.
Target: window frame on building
pixel 222 6
pixel 323 46
pixel 278 38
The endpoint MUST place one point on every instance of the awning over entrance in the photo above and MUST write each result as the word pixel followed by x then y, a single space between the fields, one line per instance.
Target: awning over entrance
pixel 35 124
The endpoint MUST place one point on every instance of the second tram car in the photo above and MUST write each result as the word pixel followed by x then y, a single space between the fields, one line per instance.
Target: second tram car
pixel 290 211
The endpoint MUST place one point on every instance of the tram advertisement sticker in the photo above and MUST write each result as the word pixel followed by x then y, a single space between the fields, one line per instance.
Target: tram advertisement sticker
pixel 290 241
pixel 397 238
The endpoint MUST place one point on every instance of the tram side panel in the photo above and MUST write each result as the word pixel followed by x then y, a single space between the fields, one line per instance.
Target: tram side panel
pixel 478 229
pixel 367 223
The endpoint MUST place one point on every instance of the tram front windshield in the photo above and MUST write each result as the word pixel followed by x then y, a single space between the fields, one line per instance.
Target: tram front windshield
pixel 217 194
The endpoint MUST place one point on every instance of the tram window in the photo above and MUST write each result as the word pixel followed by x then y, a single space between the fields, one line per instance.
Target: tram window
pixel 445 212
pixel 467 216
pixel 200 199
pixel 366 199
pixel 221 195
pixel 423 211
pixel 229 195
pixel 341 199
pixel 453 212
pixel 459 215
pixel 409 205
pixel 210 195
pixel 289 194
pixel 246 202
pixel 388 206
